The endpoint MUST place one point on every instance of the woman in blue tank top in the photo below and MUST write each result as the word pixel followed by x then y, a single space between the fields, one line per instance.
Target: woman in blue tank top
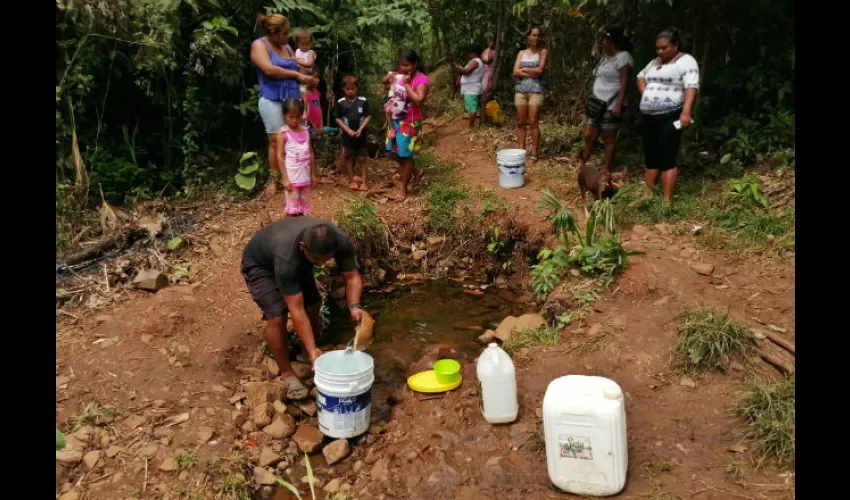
pixel 278 76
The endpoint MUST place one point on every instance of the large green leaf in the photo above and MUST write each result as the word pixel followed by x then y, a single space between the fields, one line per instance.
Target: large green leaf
pixel 249 169
pixel 246 182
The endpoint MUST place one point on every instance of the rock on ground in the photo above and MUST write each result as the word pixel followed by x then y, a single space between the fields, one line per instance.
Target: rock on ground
pixel 263 392
pixel 150 280
pixel 336 451
pixel 703 269
pixel 70 495
pixel 263 476
pixel 282 426
pixel 302 370
pixel 205 434
pixel 381 470
pixel 268 457
pixel 91 458
pixel 308 438
pixel 333 485
pixel 70 457
pixel 262 414
pixel 511 325
pixel 169 465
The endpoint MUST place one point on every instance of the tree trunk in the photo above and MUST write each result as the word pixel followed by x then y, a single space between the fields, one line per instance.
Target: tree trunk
pixel 500 43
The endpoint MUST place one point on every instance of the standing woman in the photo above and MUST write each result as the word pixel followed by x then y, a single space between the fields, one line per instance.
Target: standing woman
pixel 410 94
pixel 605 106
pixel 668 86
pixel 530 85
pixel 488 57
pixel 277 72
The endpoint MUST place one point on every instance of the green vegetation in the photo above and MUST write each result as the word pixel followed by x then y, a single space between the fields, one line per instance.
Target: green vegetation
pixel 709 340
pixel 769 408
pixel 248 171
pixel 532 337
pixel 360 219
pixel 596 251
pixel 442 202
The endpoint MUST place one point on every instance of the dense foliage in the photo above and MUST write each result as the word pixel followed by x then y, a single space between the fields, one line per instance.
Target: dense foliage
pixel 158 96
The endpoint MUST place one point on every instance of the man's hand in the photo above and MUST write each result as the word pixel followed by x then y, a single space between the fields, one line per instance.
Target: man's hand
pixel 356 314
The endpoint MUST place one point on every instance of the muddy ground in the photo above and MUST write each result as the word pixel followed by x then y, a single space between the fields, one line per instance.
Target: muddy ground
pixel 148 380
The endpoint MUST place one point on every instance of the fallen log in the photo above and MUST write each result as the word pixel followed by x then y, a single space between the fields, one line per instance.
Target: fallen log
pixel 106 244
pixel 776 339
pixel 776 363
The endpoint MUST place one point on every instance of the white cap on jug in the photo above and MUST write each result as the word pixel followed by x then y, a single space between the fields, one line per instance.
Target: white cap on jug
pixel 493 344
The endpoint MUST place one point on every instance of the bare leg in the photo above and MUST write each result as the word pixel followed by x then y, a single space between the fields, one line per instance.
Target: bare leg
pixel 406 169
pixel 522 120
pixel 590 136
pixel 651 179
pixel 273 162
pixel 533 119
pixel 277 338
pixel 668 183
pixel 608 138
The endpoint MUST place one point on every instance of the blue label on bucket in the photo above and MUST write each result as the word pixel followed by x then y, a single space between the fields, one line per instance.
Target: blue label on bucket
pixel 352 404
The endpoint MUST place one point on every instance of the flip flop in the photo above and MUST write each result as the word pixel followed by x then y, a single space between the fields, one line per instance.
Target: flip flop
pixel 295 389
pixel 353 186
pixel 363 187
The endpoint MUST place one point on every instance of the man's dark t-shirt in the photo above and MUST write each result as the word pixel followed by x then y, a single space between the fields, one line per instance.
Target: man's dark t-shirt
pixel 275 247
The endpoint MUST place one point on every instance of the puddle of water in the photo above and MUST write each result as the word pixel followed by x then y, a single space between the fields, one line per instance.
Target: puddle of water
pixel 411 318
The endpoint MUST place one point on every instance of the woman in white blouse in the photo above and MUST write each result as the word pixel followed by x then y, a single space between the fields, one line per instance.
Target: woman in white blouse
pixel 668 87
pixel 609 86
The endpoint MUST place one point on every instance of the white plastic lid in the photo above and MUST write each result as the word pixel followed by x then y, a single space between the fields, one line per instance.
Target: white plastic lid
pixel 492 345
pixel 612 393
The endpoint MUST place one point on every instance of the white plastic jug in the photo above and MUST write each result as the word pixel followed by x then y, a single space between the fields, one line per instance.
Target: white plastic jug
pixel 584 424
pixel 497 385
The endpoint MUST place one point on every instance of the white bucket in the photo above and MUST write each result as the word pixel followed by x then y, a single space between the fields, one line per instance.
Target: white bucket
pixel 511 168
pixel 344 400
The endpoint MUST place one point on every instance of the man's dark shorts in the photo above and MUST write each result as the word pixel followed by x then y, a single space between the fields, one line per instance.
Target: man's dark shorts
pixel 264 290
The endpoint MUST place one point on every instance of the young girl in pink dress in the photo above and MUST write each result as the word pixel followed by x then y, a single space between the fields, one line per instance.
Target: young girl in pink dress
pixel 296 158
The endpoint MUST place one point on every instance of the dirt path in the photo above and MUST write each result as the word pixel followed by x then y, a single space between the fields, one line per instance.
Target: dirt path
pixel 124 372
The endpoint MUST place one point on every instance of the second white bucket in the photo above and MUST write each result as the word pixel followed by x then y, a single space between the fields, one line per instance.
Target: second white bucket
pixel 344 384
pixel 511 168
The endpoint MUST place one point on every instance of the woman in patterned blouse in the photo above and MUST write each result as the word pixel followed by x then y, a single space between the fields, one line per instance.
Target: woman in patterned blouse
pixel 668 87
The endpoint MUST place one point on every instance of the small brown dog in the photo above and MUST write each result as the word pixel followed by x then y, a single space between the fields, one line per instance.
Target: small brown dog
pixel 599 185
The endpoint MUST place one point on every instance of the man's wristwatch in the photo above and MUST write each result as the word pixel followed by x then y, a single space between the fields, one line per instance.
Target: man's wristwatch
pixel 355 306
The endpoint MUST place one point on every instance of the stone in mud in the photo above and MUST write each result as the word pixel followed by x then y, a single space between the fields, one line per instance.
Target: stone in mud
pixel 150 280
pixel 336 451
pixel 357 467
pixel 487 337
pixel 511 325
pixel 418 255
pixel 703 269
pixel 84 434
pixel 333 486
pixel 307 406
pixel 148 451
pixel 91 458
pixel 262 414
pixel 205 434
pixel 113 451
pixel 302 370
pixel 248 426
pixel 70 457
pixel 435 243
pixel 308 438
pixel 169 465
pixel 282 426
pixel 279 407
pixel 263 476
pixel 639 232
pixel 263 392
pixel 272 368
pixel 134 421
pixel 381 470
pixel 382 275
pixel 268 457
pixel 70 495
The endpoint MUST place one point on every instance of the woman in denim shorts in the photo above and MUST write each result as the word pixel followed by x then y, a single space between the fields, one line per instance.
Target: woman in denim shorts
pixel 530 86
pixel 278 77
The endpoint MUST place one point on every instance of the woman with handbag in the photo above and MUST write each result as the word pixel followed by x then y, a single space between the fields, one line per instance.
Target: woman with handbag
pixel 605 105
pixel 668 86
